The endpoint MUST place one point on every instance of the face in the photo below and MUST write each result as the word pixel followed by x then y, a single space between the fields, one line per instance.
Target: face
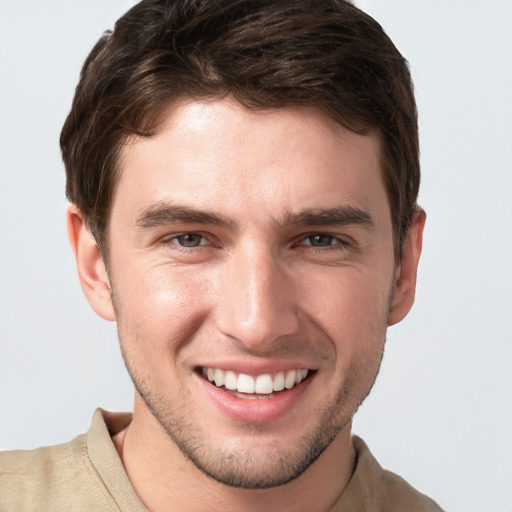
pixel 252 269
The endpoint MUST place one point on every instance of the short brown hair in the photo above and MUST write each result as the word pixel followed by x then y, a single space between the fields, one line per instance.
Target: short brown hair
pixel 265 54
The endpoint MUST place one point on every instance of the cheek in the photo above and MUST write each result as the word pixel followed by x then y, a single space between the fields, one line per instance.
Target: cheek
pixel 162 305
pixel 353 311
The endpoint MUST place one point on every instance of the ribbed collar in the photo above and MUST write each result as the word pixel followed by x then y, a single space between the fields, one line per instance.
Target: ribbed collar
pixel 364 492
pixel 107 462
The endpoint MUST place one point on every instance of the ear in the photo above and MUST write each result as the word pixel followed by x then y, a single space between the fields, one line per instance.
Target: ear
pixel 405 274
pixel 90 265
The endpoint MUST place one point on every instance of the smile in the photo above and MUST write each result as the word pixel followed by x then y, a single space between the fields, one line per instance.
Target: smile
pixel 264 384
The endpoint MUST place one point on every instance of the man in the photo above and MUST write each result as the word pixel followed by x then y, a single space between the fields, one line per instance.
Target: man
pixel 243 178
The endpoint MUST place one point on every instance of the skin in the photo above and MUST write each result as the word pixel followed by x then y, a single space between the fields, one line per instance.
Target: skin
pixel 255 286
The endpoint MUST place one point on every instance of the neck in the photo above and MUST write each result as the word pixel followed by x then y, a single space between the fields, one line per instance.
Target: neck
pixel 166 480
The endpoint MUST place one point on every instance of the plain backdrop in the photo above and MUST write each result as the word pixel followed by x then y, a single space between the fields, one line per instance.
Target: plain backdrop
pixel 441 412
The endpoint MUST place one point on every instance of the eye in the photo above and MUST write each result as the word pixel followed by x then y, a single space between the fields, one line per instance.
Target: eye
pixel 189 240
pixel 321 240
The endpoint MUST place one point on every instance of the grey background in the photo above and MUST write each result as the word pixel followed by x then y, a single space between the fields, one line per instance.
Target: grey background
pixel 441 412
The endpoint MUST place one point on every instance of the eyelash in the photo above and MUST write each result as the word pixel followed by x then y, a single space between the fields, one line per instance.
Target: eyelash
pixel 338 242
pixel 173 240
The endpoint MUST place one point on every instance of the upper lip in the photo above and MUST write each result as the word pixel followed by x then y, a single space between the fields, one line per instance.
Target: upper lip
pixel 256 368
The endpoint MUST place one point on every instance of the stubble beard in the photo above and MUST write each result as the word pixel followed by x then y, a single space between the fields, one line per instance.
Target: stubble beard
pixel 242 467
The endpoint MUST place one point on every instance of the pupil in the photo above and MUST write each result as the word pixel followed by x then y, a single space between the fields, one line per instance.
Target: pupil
pixel 321 240
pixel 190 240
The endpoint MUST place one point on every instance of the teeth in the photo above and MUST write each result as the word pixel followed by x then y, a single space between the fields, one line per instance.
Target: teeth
pixel 230 380
pixel 262 384
pixel 289 380
pixel 245 384
pixel 279 381
pixel 301 375
pixel 219 378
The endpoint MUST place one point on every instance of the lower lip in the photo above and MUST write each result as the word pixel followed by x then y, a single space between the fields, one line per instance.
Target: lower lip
pixel 255 410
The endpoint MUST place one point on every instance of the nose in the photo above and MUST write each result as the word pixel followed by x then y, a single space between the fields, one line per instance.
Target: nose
pixel 257 301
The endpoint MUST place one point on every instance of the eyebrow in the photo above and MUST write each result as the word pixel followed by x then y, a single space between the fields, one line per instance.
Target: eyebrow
pixel 337 216
pixel 163 213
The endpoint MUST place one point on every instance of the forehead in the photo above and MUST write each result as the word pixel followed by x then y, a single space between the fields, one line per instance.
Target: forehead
pixel 218 153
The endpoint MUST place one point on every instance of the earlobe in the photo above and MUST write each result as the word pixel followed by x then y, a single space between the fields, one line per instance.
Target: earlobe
pixel 91 268
pixel 405 276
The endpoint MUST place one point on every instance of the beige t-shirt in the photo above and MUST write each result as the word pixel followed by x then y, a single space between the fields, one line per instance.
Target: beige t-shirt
pixel 87 475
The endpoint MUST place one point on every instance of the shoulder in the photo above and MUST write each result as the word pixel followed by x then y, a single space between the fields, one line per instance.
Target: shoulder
pixel 397 493
pixel 374 489
pixel 57 477
pixel 47 458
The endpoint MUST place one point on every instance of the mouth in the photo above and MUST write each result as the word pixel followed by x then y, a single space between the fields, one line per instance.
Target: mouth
pixel 256 387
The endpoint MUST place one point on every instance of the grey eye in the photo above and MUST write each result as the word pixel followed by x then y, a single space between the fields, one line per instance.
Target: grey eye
pixel 189 240
pixel 320 240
